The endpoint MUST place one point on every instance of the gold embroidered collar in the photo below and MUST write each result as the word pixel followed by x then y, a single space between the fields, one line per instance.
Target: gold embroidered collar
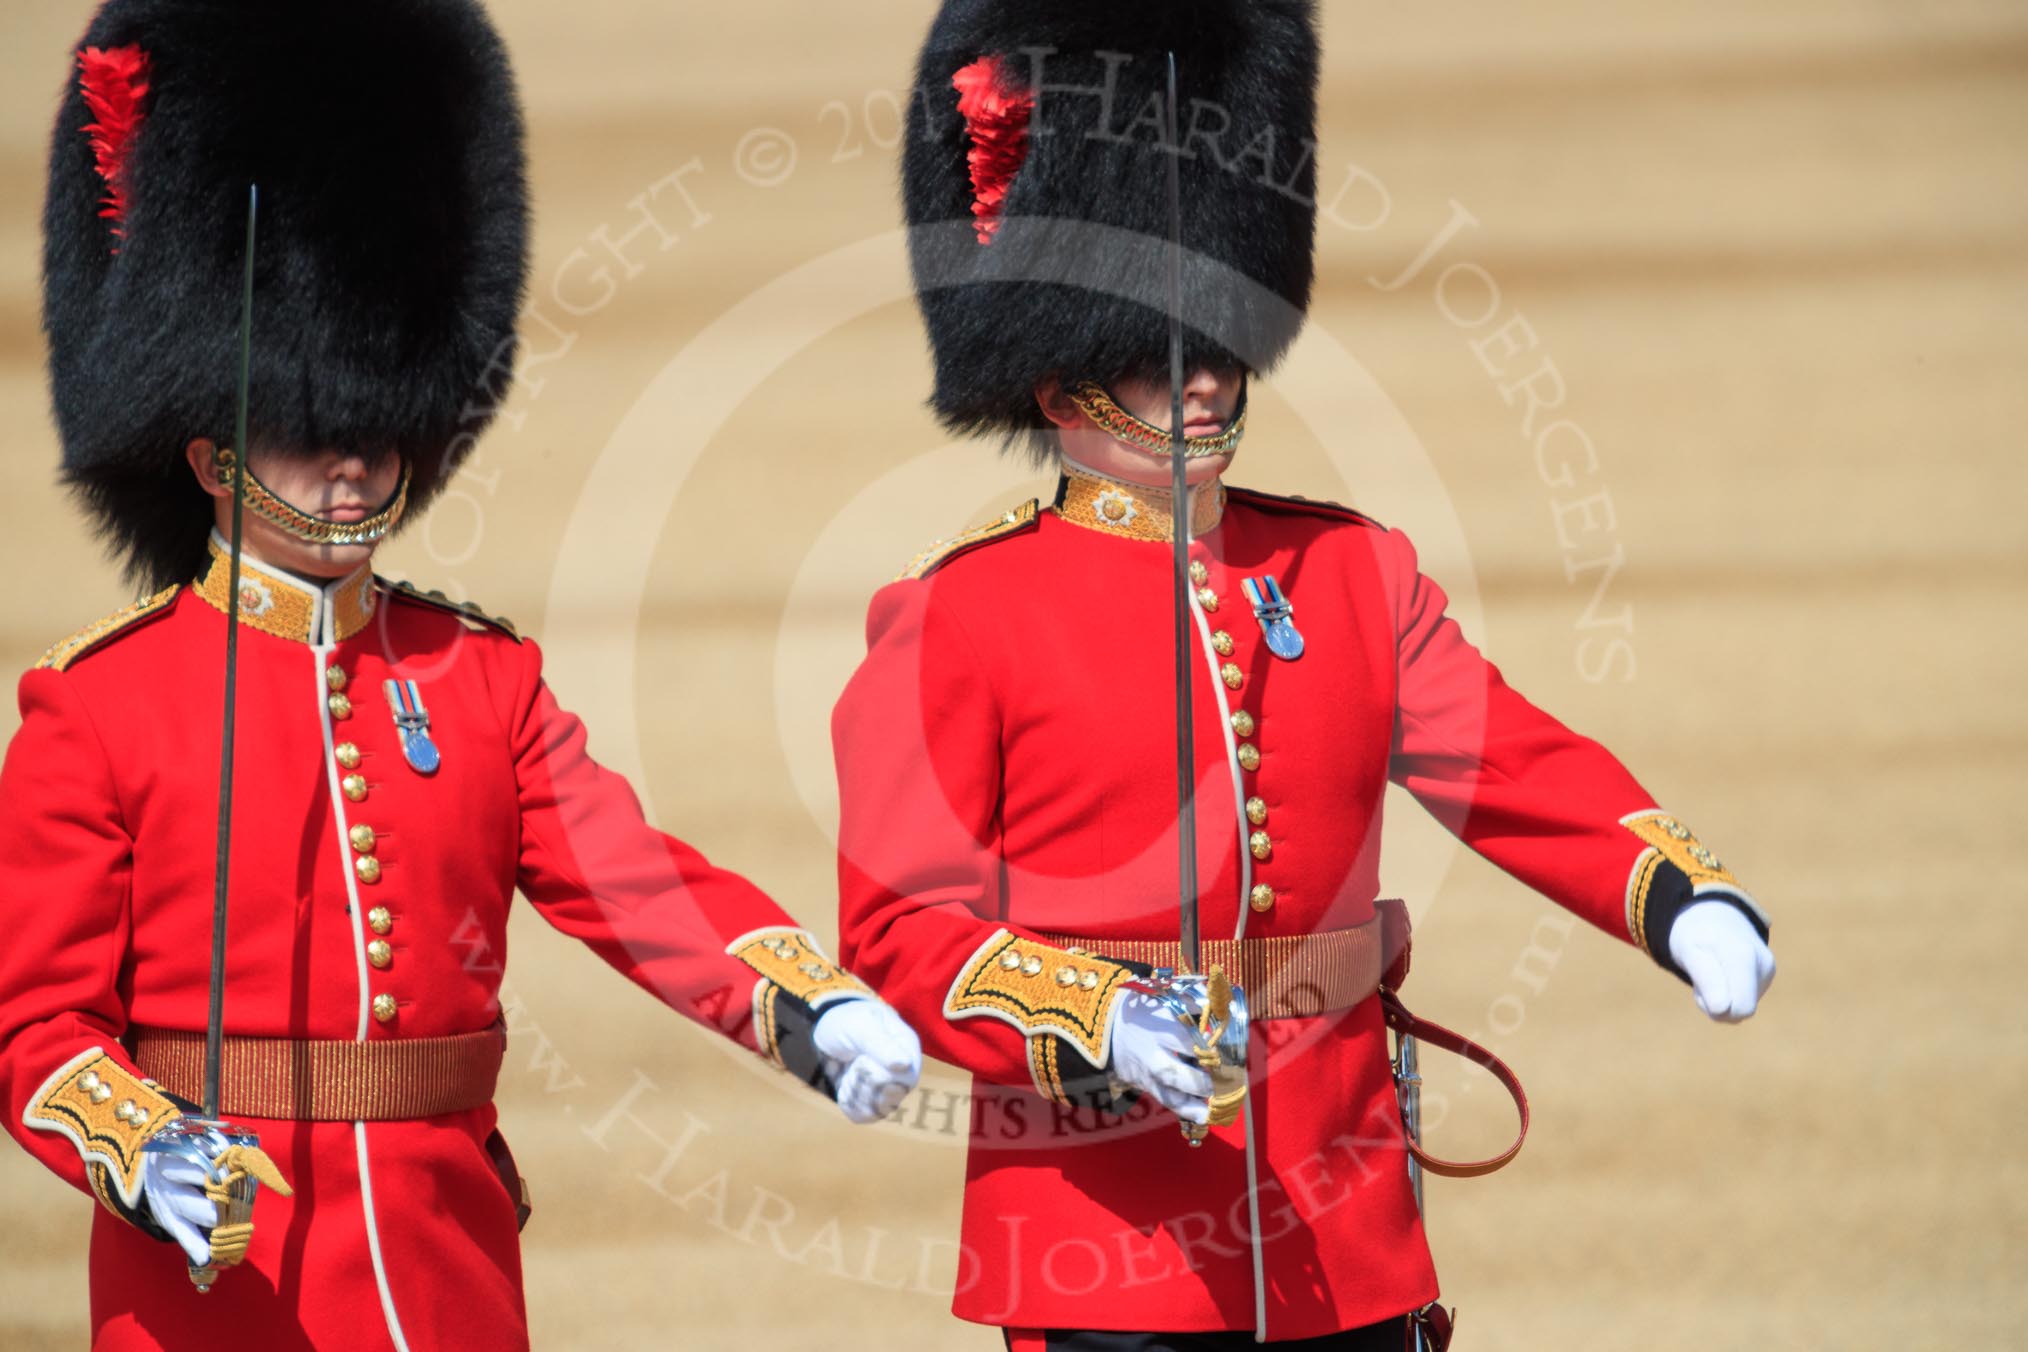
pixel 286 606
pixel 1132 511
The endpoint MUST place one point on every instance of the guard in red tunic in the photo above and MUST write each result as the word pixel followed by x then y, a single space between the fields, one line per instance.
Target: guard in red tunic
pixel 402 767
pixel 1006 752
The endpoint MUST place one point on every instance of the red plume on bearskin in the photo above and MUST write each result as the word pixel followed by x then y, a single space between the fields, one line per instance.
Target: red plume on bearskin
pixel 114 82
pixel 996 114
pixel 386 137
pixel 1036 126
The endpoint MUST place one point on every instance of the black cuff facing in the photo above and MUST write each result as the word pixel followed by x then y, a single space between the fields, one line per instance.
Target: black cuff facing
pixel 137 1216
pixel 1064 1076
pixel 1670 893
pixel 793 1025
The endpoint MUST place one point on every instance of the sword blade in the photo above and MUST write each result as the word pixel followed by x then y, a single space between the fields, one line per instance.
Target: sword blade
pixel 1180 514
pixel 214 1024
pixel 1408 1080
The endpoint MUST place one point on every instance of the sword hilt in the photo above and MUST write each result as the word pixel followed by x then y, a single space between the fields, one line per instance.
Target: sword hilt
pixel 1215 1011
pixel 204 1142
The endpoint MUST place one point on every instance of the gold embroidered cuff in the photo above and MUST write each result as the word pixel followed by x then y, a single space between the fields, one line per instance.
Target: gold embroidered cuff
pixel 792 960
pixel 1041 989
pixel 108 1112
pixel 1671 842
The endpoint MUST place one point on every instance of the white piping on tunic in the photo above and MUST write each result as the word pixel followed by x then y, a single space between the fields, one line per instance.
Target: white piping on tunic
pixel 1253 1226
pixel 322 626
pixel 1232 761
pixel 1239 932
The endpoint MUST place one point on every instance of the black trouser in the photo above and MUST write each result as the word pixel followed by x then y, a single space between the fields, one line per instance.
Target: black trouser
pixel 1386 1336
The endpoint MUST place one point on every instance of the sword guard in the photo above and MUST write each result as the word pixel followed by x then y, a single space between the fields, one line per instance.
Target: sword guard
pixel 233 1161
pixel 1215 1011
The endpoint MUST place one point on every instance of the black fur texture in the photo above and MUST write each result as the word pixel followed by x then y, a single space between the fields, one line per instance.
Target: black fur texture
pixel 386 140
pixel 1075 281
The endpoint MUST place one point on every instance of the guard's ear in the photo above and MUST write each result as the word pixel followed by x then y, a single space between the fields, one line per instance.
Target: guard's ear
pixel 202 455
pixel 1056 404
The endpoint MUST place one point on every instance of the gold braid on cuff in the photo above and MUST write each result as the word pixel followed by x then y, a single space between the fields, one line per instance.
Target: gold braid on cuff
pixel 1041 989
pixel 108 1112
pixel 315 529
pixel 1092 399
pixel 1670 841
pixel 791 960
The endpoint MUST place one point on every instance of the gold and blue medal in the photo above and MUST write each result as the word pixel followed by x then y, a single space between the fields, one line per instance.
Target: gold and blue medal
pixel 412 723
pixel 1276 616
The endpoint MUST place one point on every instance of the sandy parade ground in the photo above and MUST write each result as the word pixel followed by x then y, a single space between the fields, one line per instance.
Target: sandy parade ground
pixel 1770 261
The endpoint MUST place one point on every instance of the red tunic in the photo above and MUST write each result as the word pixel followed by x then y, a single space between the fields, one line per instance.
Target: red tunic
pixel 1006 762
pixel 400 1233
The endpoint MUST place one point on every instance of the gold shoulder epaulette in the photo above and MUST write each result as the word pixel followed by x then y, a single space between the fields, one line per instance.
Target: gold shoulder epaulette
pixel 1276 502
pixel 436 600
pixel 98 633
pixel 1020 520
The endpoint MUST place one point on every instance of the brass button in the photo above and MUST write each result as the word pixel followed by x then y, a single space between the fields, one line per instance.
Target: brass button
pixel 1089 981
pixel 341 706
pixel 1208 599
pixel 380 953
pixel 1066 976
pixel 1199 574
pixel 335 677
pixel 354 787
pixel 380 920
pixel 384 1007
pixel 1233 677
pixel 1010 960
pixel 89 1081
pixel 1256 811
pixel 1221 643
pixel 1242 723
pixel 1262 897
pixel 368 869
pixel 1031 966
pixel 101 1092
pixel 1249 756
pixel 362 838
pixel 1261 846
pixel 347 755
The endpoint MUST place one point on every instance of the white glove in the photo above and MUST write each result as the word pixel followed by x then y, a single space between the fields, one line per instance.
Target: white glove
pixel 1730 967
pixel 173 1190
pixel 1152 1051
pixel 873 1057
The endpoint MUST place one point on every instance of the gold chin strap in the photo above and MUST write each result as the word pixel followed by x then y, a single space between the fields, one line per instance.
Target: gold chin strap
pixel 1092 399
pixel 314 529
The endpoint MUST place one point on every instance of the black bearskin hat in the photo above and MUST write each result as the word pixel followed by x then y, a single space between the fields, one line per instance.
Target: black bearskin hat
pixel 385 137
pixel 1035 182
